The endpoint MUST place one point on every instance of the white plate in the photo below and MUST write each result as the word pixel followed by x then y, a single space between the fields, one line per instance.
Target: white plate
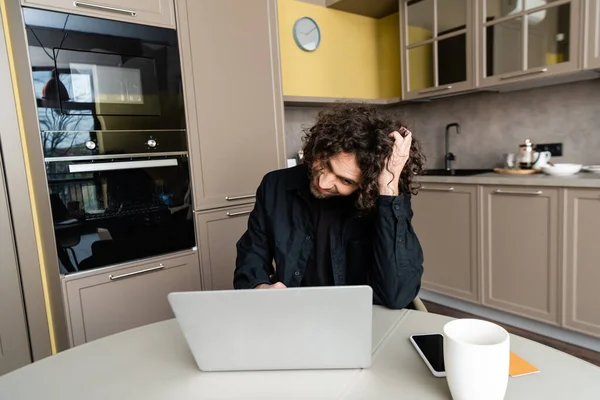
pixel 595 169
pixel 562 169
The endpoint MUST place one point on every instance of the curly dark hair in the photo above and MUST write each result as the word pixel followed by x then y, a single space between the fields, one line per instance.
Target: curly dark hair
pixel 365 131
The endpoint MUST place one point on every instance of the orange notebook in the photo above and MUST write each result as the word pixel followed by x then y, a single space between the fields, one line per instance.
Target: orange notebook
pixel 519 367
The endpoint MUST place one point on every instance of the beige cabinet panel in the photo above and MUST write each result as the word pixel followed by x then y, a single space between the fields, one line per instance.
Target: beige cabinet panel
pixel 582 261
pixel 218 233
pixel 592 48
pixel 147 12
pixel 521 250
pixel 112 300
pixel 445 219
pixel 14 339
pixel 519 43
pixel 233 96
pixel 436 38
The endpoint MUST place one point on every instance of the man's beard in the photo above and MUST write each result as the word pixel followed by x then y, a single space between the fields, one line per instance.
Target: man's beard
pixel 314 189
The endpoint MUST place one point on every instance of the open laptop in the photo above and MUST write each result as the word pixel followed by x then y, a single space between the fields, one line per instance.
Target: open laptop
pixel 277 329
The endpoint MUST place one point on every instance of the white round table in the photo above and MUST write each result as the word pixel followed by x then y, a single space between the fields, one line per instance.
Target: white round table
pixel 154 362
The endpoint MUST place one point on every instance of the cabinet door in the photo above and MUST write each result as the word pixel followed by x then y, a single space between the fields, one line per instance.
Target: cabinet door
pixel 592 55
pixel 147 12
pixel 436 39
pixel 520 41
pixel 582 266
pixel 520 251
pixel 14 339
pixel 116 299
pixel 218 233
pixel 233 96
pixel 446 222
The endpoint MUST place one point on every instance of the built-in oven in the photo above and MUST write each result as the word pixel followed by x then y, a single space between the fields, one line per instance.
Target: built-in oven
pixel 120 205
pixel 97 74
pixel 112 126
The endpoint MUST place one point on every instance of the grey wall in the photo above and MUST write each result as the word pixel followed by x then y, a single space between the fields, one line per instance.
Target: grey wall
pixel 493 124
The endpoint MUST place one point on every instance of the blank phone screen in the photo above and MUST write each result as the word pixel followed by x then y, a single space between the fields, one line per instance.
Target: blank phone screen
pixel 432 346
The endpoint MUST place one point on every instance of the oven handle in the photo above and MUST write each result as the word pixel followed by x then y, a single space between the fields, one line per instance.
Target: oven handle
pixel 104 8
pixel 115 166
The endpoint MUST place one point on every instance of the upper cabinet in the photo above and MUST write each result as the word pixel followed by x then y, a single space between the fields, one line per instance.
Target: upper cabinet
pixel 436 41
pixel 592 47
pixel 232 88
pixel 527 39
pixel 147 12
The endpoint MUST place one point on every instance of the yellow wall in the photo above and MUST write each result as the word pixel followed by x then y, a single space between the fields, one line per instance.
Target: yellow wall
pixel 356 56
pixel 388 42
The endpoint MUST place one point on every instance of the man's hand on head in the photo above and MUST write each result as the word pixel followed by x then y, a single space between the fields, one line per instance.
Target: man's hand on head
pixel 276 285
pixel 390 176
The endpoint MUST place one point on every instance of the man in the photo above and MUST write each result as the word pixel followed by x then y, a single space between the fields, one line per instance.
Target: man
pixel 344 216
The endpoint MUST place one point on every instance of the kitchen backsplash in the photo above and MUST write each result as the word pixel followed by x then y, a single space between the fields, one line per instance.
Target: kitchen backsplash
pixel 493 124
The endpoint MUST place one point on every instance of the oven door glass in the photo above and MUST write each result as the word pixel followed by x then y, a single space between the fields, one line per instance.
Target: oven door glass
pixel 111 212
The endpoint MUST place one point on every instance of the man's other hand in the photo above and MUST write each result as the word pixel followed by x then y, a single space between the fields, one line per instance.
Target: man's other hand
pixel 277 285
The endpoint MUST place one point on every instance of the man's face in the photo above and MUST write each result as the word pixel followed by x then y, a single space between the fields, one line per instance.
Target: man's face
pixel 338 176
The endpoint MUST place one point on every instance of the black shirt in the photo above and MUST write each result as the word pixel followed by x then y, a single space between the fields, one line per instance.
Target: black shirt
pixel 323 212
pixel 380 249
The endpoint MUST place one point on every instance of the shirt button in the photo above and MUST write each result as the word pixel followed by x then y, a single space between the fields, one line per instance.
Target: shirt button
pixel 396 207
pixel 297 273
pixel 308 238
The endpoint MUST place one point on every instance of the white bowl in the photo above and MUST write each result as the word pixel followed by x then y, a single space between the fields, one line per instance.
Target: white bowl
pixel 562 169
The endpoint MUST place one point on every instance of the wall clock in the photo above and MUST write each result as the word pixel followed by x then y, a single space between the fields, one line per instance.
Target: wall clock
pixel 307 34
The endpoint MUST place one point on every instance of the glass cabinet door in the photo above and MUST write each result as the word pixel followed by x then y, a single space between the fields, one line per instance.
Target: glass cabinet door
pixel 436 39
pixel 592 58
pixel 526 39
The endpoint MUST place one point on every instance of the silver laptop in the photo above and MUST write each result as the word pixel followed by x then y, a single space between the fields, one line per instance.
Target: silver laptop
pixel 277 329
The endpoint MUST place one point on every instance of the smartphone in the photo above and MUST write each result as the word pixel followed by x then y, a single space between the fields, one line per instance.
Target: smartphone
pixel 430 347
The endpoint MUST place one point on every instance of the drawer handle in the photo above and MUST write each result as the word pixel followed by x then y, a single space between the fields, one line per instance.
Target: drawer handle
pixel 237 214
pixel 140 272
pixel 434 90
pixel 93 6
pixel 536 193
pixel 525 73
pixel 246 196
pixel 448 189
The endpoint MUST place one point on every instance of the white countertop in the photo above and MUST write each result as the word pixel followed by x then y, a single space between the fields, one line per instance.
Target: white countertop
pixel 154 363
pixel 580 180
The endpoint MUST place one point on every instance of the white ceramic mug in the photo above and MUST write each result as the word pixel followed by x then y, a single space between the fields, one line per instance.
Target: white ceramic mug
pixel 476 357
pixel 542 159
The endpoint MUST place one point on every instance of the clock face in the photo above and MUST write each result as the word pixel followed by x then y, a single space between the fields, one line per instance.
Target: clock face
pixel 307 34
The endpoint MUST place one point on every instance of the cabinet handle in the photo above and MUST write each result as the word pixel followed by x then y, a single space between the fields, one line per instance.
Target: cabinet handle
pixel 104 8
pixel 143 271
pixel 237 214
pixel 536 193
pixel 525 73
pixel 440 89
pixel 448 189
pixel 246 196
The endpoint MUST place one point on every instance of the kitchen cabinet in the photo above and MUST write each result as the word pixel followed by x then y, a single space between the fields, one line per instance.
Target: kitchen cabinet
pixel 147 12
pixel 111 300
pixel 521 251
pixel 218 233
pixel 522 40
pixel 582 261
pixel 436 40
pixel 445 219
pixel 14 338
pixel 233 96
pixel 592 29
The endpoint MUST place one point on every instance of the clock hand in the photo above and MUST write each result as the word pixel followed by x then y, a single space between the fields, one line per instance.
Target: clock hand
pixel 309 31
